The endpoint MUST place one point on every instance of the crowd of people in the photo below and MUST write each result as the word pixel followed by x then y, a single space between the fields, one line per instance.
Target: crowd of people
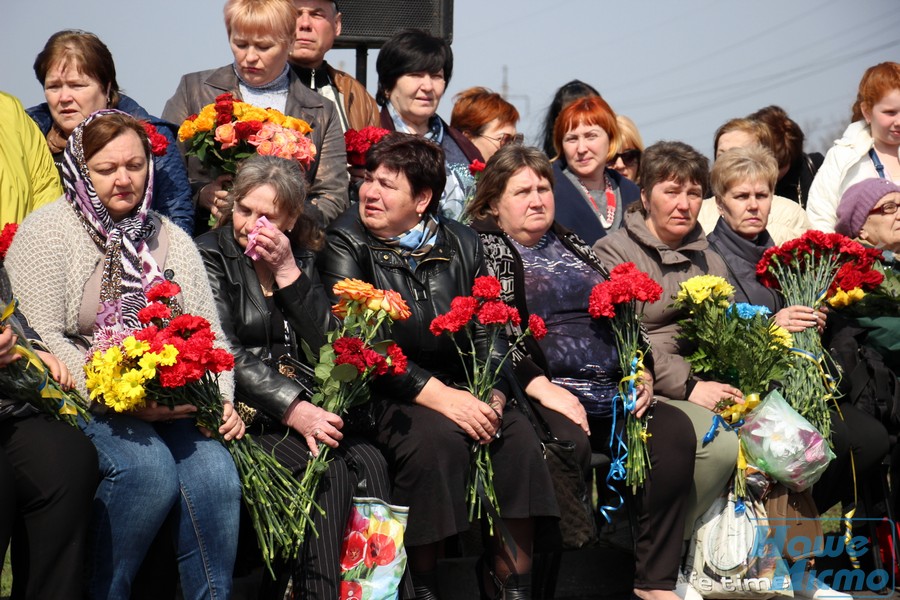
pixel 106 211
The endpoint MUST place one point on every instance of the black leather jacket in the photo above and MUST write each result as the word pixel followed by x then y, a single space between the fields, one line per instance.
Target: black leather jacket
pixel 245 319
pixel 449 270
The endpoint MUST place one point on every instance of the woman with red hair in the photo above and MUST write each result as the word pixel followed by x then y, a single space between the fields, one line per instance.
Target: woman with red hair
pixel 590 197
pixel 867 149
pixel 486 119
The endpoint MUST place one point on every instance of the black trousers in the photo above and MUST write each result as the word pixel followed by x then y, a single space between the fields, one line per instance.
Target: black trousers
pixel 357 468
pixel 48 475
pixel 864 436
pixel 662 503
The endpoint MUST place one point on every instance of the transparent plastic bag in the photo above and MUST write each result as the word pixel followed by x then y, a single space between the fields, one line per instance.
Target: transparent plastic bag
pixel 784 445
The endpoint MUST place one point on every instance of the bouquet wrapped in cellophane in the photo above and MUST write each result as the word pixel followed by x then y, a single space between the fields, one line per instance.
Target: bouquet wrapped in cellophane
pixel 172 360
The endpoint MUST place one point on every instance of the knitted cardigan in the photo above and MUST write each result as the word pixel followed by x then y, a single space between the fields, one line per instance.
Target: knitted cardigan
pixel 51 260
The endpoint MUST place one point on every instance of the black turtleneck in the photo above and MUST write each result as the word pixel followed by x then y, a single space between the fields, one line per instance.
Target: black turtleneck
pixel 314 79
pixel 741 256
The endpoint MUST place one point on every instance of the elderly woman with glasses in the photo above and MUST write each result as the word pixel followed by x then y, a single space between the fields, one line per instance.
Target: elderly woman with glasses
pixel 590 197
pixel 486 119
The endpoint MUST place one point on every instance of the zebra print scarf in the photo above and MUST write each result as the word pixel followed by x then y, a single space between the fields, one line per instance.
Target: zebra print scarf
pixel 128 267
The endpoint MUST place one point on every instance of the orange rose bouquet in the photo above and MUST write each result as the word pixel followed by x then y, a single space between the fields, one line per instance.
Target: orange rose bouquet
pixel 228 131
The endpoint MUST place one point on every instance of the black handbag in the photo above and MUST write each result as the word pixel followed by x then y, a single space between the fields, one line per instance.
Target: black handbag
pixel 290 367
pixel 577 523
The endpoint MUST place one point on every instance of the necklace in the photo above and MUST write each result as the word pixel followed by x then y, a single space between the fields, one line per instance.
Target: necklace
pixel 610 201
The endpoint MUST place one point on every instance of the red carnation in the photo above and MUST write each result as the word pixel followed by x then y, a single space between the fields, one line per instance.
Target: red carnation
pixel 476 167
pixel 600 302
pixel 166 289
pixel 6 238
pixel 398 359
pixel 374 361
pixel 487 288
pixel 154 310
pixel 494 312
pixel 158 142
pixel 537 326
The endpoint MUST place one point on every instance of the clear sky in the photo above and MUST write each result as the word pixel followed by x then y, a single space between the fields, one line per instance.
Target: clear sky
pixel 679 68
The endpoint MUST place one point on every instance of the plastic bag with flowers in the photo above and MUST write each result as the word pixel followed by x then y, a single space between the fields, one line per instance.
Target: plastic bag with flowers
pixel 483 311
pixel 172 360
pixel 784 445
pixel 373 557
pixel 810 270
pixel 617 299
pixel 228 131
pixel 354 355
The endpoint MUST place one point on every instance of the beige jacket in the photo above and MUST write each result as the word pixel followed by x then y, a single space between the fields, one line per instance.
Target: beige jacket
pixel 327 176
pixel 669 268
pixel 51 260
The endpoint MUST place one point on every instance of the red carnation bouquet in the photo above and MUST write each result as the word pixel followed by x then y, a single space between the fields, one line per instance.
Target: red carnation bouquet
pixel 483 310
pixel 617 299
pixel 353 357
pixel 228 131
pixel 359 141
pixel 811 270
pixel 173 360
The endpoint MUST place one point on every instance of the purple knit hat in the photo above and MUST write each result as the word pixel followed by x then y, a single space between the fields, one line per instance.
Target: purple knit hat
pixel 858 201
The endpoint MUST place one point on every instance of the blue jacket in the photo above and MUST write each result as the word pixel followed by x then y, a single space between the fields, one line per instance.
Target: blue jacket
pixel 573 212
pixel 172 190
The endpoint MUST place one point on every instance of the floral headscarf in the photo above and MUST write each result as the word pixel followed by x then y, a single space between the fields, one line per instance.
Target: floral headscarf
pixel 128 267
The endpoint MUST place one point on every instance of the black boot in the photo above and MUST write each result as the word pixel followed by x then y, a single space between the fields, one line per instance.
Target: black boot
pixel 425 585
pixel 517 587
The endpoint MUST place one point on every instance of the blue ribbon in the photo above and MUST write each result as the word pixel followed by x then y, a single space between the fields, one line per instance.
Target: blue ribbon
pixel 718 421
pixel 618 449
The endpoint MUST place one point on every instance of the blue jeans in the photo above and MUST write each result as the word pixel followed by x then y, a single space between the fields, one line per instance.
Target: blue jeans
pixel 149 471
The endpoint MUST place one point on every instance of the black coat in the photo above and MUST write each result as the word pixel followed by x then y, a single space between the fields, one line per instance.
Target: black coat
pixel 246 319
pixel 449 270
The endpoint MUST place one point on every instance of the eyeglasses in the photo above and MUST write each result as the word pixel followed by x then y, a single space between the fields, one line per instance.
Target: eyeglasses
pixel 629 157
pixel 888 208
pixel 506 138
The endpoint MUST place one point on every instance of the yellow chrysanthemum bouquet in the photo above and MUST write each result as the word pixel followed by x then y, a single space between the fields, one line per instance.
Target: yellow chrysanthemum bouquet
pixel 737 344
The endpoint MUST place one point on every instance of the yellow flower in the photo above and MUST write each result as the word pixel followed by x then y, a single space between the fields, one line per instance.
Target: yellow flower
pixel 702 287
pixel 206 120
pixel 275 116
pixel 187 130
pixel 253 113
pixel 298 125
pixel 389 527
pixel 134 348
pixel 168 355
pixel 842 298
pixel 781 335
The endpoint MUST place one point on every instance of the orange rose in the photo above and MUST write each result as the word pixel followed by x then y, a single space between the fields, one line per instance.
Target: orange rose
pixel 354 290
pixel 226 135
pixel 395 306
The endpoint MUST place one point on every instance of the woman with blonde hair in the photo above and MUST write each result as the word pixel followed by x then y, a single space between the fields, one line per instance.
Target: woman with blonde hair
pixel 627 159
pixel 261 35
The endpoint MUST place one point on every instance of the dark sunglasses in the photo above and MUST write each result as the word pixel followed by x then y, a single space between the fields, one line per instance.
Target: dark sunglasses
pixel 629 157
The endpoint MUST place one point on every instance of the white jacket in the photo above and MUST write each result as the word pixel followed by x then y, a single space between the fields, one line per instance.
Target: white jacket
pixel 846 163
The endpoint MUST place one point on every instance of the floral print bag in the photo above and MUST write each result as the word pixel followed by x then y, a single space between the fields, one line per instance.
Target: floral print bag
pixel 373 557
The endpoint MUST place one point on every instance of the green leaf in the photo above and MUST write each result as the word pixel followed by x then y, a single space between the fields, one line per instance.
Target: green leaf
pixel 344 372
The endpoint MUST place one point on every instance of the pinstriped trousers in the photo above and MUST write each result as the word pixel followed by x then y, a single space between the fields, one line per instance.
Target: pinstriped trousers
pixel 357 468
